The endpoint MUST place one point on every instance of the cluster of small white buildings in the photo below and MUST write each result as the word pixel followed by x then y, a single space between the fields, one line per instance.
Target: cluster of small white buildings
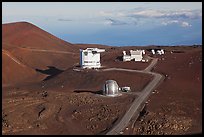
pixel 159 51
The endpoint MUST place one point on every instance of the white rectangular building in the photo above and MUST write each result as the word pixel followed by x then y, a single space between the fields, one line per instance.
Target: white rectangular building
pixel 90 57
pixel 135 55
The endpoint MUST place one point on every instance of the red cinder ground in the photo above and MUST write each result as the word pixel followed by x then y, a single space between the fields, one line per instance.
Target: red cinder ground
pixel 70 102
pixel 176 105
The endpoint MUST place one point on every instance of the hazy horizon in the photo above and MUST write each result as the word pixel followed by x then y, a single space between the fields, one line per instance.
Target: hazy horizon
pixel 113 23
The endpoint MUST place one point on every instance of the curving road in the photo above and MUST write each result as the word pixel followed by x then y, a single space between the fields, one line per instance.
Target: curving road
pixel 145 93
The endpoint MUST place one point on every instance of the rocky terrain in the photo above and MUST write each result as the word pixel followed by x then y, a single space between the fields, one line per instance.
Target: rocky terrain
pixel 175 107
pixel 43 93
pixel 52 112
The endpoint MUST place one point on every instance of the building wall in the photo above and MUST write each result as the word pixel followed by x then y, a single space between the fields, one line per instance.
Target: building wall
pixel 88 59
pixel 138 57
pixel 81 58
pixel 126 58
pixel 134 55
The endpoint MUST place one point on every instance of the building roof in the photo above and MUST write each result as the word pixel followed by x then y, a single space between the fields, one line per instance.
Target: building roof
pixel 93 50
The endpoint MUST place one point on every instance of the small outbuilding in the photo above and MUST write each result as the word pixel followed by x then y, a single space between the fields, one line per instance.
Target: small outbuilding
pixel 125 89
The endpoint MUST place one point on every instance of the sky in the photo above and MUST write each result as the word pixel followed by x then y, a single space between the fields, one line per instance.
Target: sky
pixel 113 23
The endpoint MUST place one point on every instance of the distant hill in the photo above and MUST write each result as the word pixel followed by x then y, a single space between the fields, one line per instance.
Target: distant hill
pixel 34 48
pixel 24 34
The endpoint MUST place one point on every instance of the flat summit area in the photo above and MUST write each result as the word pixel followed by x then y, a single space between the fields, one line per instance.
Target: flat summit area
pixel 44 90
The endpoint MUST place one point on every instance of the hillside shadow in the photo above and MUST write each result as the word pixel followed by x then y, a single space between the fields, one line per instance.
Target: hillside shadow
pixel 119 58
pixel 100 92
pixel 51 71
pixel 77 66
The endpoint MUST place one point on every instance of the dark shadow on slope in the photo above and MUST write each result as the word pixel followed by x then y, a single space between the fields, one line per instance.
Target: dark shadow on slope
pixel 52 72
pixel 119 58
pixel 88 91
pixel 77 66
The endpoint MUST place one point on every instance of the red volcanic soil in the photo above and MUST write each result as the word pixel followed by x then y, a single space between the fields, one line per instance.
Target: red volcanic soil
pixel 40 60
pixel 24 34
pixel 70 102
pixel 41 107
pixel 15 71
pixel 55 112
pixel 184 69
pixel 24 42
pixel 92 80
pixel 176 105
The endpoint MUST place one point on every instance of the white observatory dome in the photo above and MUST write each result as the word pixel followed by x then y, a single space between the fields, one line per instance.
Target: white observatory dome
pixel 110 88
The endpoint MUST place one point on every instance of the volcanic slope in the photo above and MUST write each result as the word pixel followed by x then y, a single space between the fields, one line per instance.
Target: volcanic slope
pixel 34 48
pixel 24 34
pixel 15 71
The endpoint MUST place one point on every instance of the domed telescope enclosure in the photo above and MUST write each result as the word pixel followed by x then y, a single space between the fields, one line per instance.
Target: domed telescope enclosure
pixel 111 88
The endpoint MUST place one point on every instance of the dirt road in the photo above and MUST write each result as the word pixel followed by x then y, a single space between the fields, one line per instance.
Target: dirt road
pixel 13 58
pixel 51 51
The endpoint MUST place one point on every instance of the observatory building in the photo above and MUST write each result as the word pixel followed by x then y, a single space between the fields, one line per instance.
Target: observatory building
pixel 90 57
pixel 110 88
pixel 135 55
